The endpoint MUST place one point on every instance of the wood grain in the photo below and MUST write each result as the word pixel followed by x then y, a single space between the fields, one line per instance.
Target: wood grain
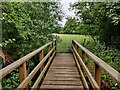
pixel 62 74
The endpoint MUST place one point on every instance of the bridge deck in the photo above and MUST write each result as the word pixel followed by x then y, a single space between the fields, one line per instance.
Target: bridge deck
pixel 62 73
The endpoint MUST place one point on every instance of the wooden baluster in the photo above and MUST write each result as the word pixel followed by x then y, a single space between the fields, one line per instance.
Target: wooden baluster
pixel 55 45
pixel 41 57
pixel 22 72
pixel 83 58
pixel 72 44
pixel 52 45
pixel 83 55
pixel 78 49
pixel 75 46
pixel 49 51
pixel 97 74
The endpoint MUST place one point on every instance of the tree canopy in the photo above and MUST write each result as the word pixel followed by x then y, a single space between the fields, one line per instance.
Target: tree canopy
pixel 101 19
pixel 27 26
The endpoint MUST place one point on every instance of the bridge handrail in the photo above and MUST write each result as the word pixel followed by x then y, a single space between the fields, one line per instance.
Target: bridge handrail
pixel 21 63
pixel 91 79
pixel 99 64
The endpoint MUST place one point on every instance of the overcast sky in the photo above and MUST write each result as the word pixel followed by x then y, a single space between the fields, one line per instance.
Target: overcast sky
pixel 65 6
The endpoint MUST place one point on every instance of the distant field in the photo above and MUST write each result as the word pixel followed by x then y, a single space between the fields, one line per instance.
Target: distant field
pixel 64 42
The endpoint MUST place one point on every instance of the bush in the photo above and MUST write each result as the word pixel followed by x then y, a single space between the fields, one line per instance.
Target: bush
pixel 110 55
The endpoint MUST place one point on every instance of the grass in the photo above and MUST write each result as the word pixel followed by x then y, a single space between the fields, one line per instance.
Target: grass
pixel 65 40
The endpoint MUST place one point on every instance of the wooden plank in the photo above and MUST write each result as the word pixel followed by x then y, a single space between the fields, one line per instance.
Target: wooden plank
pixel 61 67
pixel 51 72
pixel 65 75
pixel 66 70
pixel 63 64
pixel 62 78
pixel 76 83
pixel 59 87
pixel 62 75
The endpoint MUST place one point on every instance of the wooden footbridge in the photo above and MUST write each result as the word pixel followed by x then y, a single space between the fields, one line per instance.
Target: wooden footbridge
pixel 60 70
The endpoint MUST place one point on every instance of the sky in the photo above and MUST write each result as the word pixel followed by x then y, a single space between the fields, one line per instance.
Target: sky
pixel 65 6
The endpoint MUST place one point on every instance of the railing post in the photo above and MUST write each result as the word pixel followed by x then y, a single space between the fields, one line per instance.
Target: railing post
pixel 41 57
pixel 48 51
pixel 78 49
pixel 23 73
pixel 83 55
pixel 75 46
pixel 83 58
pixel 55 45
pixel 97 74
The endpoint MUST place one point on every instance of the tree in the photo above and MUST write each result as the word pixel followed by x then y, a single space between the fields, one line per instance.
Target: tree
pixel 70 26
pixel 100 19
pixel 27 26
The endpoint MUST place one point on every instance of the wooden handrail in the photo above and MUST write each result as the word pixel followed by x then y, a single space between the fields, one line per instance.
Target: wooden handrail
pixel 21 63
pixel 85 84
pixel 91 79
pixel 99 64
pixel 31 75
pixel 42 73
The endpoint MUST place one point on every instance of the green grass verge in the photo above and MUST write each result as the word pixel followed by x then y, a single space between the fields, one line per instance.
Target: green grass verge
pixel 65 40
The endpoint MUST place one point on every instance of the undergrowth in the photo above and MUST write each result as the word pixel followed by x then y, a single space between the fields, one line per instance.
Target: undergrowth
pixel 109 55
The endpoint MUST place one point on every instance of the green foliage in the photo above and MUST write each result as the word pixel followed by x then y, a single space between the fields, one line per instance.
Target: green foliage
pixel 11 80
pixel 25 27
pixel 110 56
pixel 70 26
pixel 99 19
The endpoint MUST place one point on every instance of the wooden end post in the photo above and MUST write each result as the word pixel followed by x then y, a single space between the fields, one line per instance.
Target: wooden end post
pixel 97 74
